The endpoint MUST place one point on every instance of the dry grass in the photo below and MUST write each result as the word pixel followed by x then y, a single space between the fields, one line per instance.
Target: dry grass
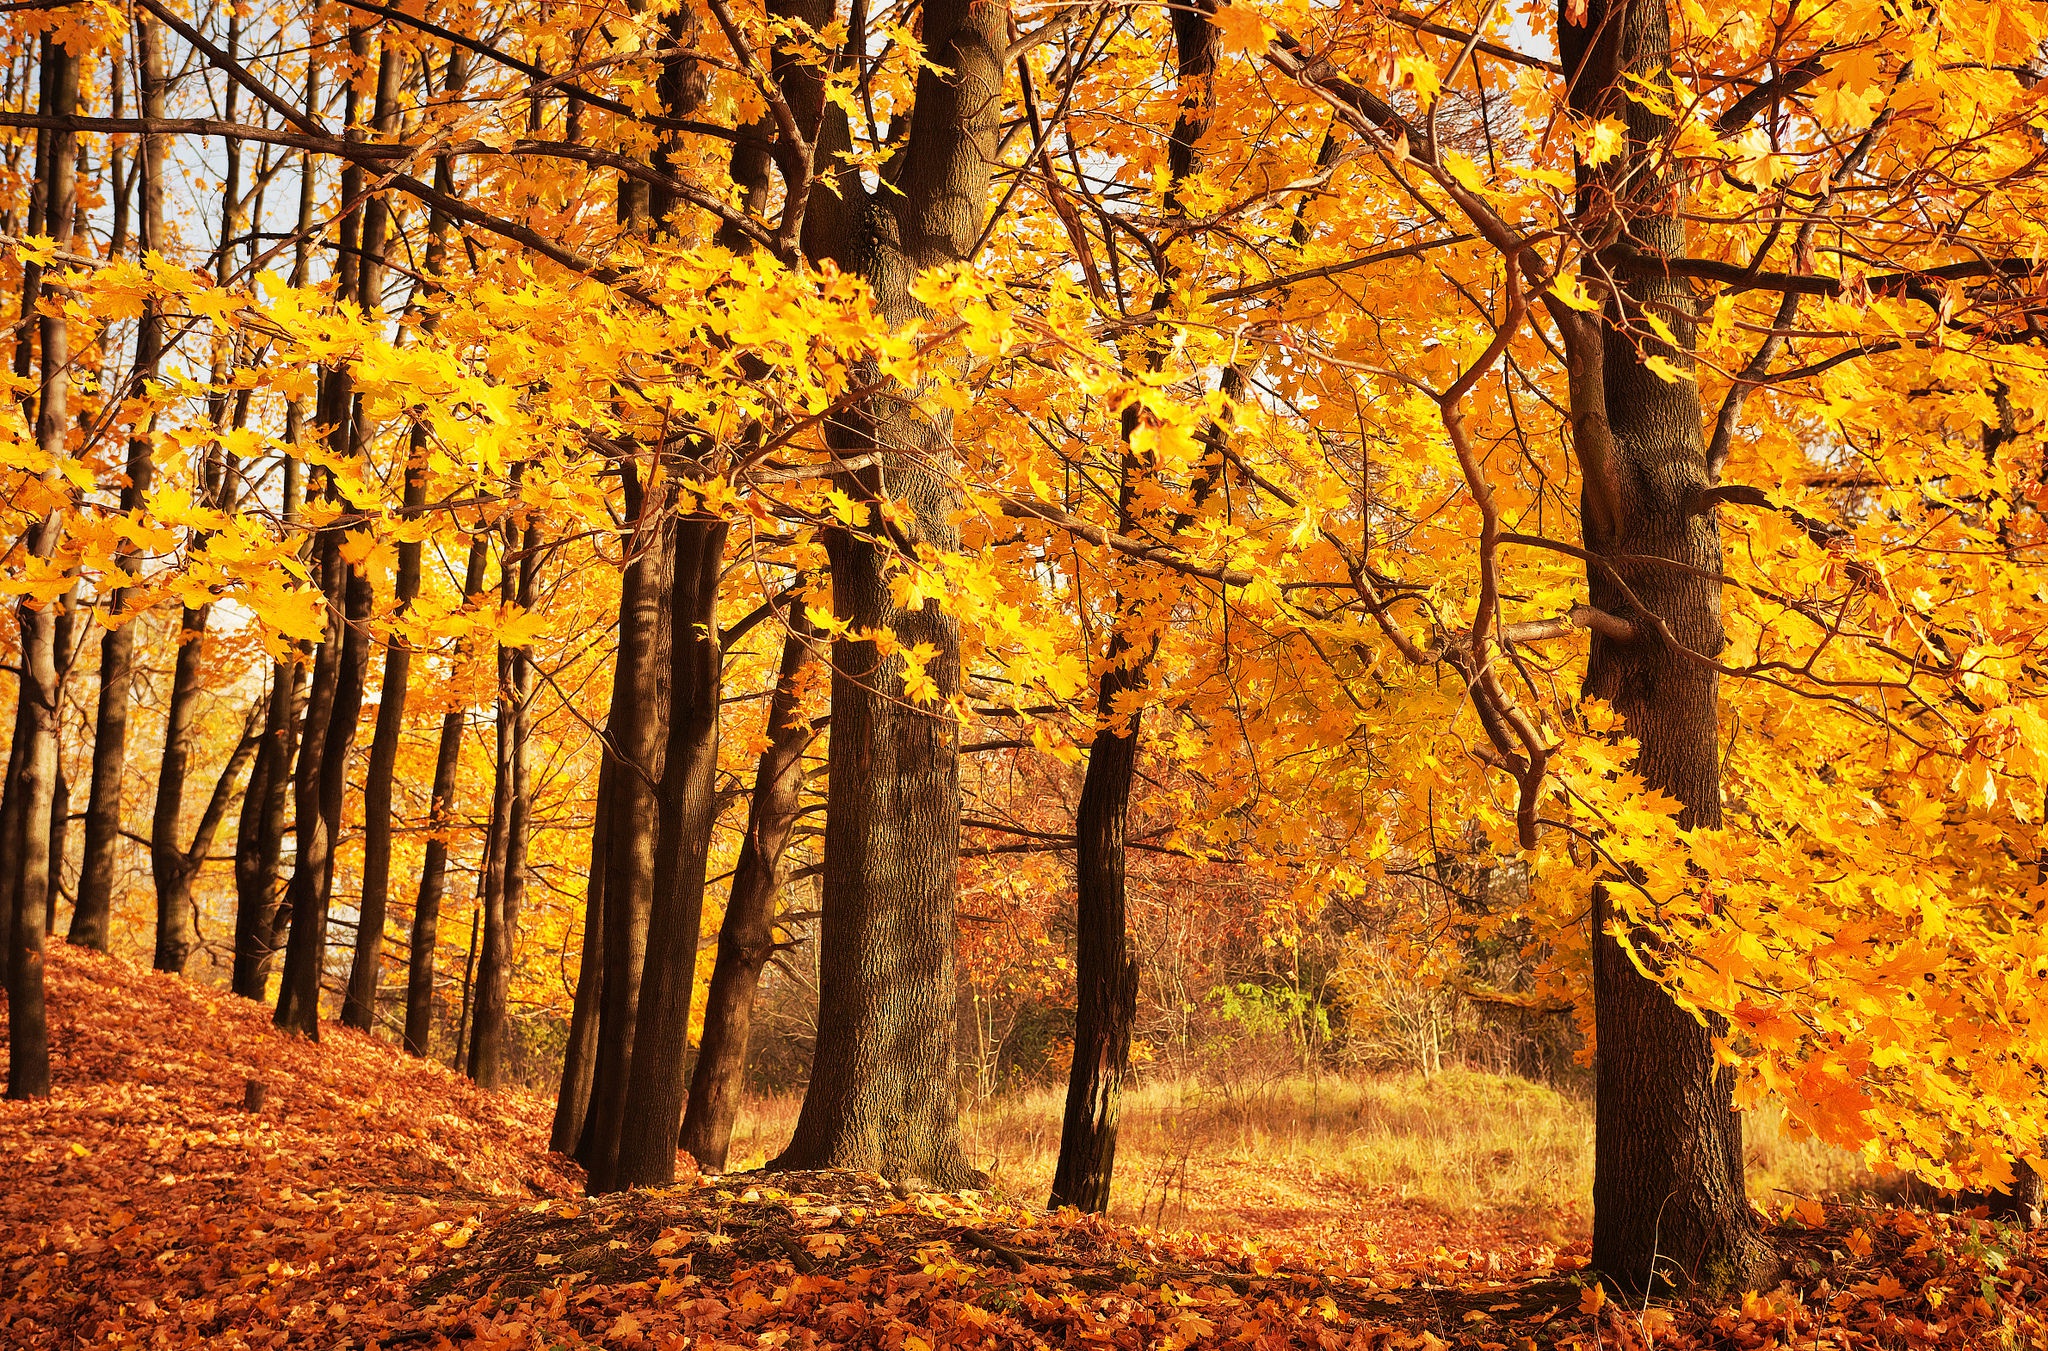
pixel 1462 1147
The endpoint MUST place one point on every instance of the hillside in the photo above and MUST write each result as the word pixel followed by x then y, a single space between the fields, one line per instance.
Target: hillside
pixel 374 1201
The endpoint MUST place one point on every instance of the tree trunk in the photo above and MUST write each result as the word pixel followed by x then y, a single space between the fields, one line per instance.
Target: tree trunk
pixel 1669 1206
pixel 468 976
pixel 746 937
pixel 334 704
pixel 174 932
pixel 359 1005
pixel 259 833
pixel 260 915
pixel 94 910
pixel 881 1092
pixel 25 845
pixel 426 914
pixel 505 854
pixel 579 1057
pixel 688 811
pixel 1105 974
pixel 639 716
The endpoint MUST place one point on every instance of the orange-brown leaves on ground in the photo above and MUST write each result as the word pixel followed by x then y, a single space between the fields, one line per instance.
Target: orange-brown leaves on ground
pixel 145 1206
pixel 376 1201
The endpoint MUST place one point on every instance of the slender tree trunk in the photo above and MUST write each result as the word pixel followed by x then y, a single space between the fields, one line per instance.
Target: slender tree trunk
pixel 259 834
pixel 639 717
pixel 426 914
pixel 359 1005
pixel 746 936
pixel 335 703
pixel 456 1060
pixel 505 854
pixel 881 1092
pixel 260 914
pixel 688 811
pixel 90 917
pixel 1669 1206
pixel 174 933
pixel 1105 973
pixel 579 1057
pixel 24 847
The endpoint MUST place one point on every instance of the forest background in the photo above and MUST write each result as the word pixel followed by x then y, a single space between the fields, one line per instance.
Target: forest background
pixel 1321 532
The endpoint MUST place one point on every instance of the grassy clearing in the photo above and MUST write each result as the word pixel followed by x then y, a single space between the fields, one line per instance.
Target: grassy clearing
pixel 1306 1154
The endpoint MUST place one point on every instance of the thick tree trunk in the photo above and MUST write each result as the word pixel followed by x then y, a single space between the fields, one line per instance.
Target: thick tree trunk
pixel 579 1057
pixel 426 914
pixel 25 843
pixel 639 717
pixel 687 812
pixel 746 937
pixel 94 910
pixel 1669 1208
pixel 881 1092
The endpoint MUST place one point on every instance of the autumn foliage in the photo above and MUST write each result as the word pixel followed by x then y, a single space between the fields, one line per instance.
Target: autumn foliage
pixel 496 497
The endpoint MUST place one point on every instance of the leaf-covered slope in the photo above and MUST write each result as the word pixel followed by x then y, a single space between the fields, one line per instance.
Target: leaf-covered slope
pixel 144 1205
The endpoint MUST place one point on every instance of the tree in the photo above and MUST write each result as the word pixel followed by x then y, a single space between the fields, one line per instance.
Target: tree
pixel 881 1089
pixel 89 918
pixel 746 935
pixel 31 785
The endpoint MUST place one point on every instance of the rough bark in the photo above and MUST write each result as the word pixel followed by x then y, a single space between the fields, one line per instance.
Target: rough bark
pixel 25 843
pixel 687 811
pixel 426 913
pixel 90 917
pixel 1668 1198
pixel 881 1092
pixel 746 936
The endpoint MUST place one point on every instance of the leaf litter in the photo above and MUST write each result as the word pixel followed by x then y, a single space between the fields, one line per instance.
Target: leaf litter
pixel 378 1201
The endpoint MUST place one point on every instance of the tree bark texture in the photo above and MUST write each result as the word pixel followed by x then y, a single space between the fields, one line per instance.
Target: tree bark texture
pixel 687 812
pixel 881 1094
pixel 1669 1205
pixel 746 936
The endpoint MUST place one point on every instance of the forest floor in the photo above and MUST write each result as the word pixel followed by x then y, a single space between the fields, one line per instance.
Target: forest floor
pixel 377 1201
